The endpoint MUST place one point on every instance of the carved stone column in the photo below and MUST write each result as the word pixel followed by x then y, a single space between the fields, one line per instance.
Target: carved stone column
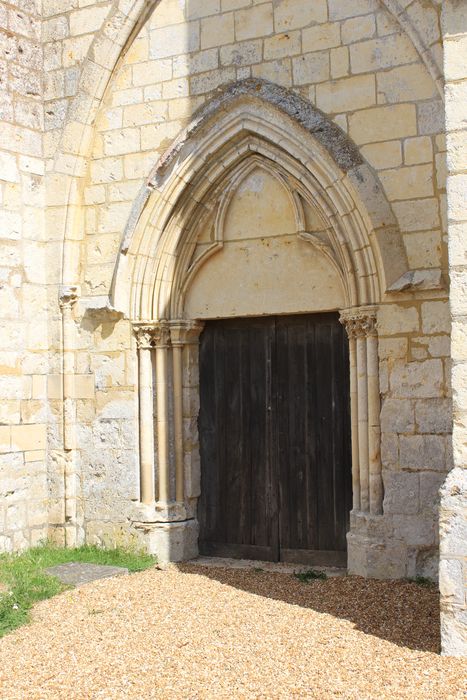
pixel 374 428
pixel 351 332
pixel 168 512
pixel 161 344
pixel 69 296
pixel 183 334
pixel 145 344
pixel 360 324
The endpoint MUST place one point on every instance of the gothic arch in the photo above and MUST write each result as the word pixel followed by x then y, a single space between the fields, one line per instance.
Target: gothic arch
pixel 253 124
pixel 123 22
pixel 257 118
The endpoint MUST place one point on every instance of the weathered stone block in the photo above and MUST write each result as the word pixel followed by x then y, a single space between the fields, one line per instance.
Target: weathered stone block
pixel 321 36
pixel 385 52
pixel 414 530
pixel 418 215
pixel 311 68
pixel 393 319
pixel 405 84
pixel 422 452
pixel 254 22
pixel 383 155
pixel 177 541
pixel 346 94
pixel 217 30
pixel 283 45
pixel 174 40
pixel 383 124
pixel 433 416
pixel 430 484
pixel 436 317
pixel 408 183
pixel 417 379
pixel 401 492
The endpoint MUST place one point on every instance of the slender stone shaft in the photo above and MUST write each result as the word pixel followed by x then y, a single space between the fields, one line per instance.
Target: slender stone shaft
pixel 374 430
pixel 363 422
pixel 354 423
pixel 162 400
pixel 146 418
pixel 178 422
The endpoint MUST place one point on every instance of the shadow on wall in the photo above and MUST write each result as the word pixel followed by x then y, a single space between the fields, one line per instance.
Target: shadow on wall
pixel 400 612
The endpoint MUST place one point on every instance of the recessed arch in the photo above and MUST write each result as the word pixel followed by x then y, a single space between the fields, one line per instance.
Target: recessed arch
pixel 255 118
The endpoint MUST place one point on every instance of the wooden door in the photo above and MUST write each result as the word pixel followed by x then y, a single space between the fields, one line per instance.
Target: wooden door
pixel 238 507
pixel 313 439
pixel 275 439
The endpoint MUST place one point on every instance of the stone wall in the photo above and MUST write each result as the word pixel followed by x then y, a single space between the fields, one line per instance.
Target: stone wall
pixel 453 513
pixel 24 343
pixel 358 66
pixel 95 93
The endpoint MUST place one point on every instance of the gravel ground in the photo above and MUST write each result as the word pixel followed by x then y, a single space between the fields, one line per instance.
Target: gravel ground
pixel 193 632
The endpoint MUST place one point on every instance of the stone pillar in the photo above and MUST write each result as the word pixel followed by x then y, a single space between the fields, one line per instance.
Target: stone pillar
pixel 161 343
pixel 144 340
pixel 354 422
pixel 167 514
pixel 364 538
pixel 374 428
pixel 362 403
pixel 360 324
pixel 184 337
pixel 453 506
pixel 73 534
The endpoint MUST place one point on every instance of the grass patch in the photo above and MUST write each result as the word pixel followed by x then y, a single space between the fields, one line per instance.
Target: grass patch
pixel 310 575
pixel 422 581
pixel 24 581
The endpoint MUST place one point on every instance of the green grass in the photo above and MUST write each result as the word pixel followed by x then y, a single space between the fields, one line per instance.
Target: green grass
pixel 422 581
pixel 310 575
pixel 24 578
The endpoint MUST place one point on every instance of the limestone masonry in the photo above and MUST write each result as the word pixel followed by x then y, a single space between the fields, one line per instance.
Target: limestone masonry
pixel 167 163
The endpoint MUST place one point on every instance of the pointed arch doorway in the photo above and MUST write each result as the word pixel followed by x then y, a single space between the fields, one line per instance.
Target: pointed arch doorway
pixel 274 430
pixel 262 207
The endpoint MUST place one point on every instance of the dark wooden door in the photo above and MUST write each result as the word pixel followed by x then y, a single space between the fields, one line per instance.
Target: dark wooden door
pixel 275 439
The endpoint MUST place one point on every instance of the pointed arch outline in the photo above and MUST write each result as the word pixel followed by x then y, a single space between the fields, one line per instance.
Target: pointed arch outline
pixel 255 117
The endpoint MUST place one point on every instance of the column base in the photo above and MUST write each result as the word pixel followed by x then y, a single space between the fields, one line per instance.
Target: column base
pixel 371 554
pixel 159 512
pixel 172 541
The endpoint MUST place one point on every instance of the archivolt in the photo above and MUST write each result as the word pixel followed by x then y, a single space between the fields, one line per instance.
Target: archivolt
pixel 255 118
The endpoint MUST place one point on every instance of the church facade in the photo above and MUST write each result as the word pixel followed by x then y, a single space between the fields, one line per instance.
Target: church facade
pixel 233 282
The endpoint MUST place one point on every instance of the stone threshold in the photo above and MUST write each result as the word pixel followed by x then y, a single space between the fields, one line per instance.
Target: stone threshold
pixel 272 567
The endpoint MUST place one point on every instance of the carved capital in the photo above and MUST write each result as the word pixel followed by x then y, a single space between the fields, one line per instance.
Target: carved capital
pixel 161 334
pixel 68 296
pixel 144 337
pixel 185 332
pixel 360 321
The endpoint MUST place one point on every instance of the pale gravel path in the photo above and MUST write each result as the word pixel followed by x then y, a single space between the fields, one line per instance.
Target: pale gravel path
pixel 204 633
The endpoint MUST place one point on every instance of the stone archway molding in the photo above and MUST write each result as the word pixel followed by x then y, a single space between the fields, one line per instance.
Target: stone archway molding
pixel 251 124
pixel 256 117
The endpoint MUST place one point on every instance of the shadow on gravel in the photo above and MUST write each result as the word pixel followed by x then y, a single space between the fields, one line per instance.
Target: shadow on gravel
pixel 400 612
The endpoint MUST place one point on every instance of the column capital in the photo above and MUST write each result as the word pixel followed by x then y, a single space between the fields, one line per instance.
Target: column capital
pixel 359 321
pixel 144 337
pixel 152 335
pixel 183 332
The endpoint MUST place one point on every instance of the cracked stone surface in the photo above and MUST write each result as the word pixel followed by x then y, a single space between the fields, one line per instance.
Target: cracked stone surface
pixel 77 573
